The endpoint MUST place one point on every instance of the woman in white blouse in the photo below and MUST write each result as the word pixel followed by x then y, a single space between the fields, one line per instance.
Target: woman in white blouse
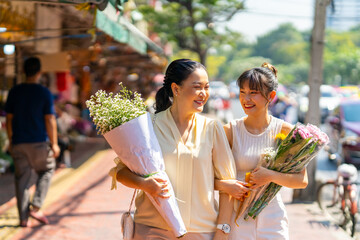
pixel 196 152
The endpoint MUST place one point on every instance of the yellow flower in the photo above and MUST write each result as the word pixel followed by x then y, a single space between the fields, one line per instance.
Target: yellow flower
pixel 280 136
pixel 247 179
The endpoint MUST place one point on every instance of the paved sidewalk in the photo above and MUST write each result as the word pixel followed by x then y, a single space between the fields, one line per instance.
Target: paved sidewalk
pixel 81 206
pixel 306 221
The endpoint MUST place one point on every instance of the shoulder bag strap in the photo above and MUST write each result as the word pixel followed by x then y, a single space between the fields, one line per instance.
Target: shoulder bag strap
pixel 132 200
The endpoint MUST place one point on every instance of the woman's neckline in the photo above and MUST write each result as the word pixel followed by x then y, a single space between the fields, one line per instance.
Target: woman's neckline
pixel 178 131
pixel 260 134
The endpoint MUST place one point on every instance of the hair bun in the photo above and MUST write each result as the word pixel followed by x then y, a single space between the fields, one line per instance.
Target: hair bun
pixel 271 67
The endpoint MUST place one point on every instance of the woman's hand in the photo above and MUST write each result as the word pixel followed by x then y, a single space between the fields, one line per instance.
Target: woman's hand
pixel 260 176
pixel 235 188
pixel 156 187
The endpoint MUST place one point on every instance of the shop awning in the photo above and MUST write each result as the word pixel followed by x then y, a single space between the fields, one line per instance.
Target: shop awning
pixel 117 26
pixel 123 31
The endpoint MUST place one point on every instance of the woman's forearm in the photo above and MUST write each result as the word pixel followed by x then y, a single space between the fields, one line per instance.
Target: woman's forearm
pixel 155 186
pixel 130 179
pixel 220 185
pixel 232 187
pixel 226 206
pixel 291 180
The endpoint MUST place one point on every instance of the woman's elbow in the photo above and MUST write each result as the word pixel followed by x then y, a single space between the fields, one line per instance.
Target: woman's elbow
pixel 120 176
pixel 304 183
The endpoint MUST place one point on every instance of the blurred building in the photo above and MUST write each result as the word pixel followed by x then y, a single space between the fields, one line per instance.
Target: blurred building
pixel 82 49
pixel 342 15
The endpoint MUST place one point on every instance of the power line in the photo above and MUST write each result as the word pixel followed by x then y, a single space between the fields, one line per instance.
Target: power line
pixel 276 14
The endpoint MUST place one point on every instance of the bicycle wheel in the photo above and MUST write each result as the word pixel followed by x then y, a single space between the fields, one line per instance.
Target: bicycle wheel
pixel 329 201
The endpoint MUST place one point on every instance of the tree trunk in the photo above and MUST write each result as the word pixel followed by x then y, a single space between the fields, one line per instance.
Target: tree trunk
pixel 202 57
pixel 315 80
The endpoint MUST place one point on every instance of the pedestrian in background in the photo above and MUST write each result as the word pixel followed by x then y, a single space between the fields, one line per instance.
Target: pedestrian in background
pixel 195 151
pixel 248 137
pixel 32 132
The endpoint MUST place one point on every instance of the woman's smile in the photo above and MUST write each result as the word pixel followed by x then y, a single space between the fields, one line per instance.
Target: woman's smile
pixel 200 102
pixel 248 106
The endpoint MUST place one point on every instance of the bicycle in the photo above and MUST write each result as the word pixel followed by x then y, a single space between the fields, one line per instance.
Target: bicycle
pixel 339 198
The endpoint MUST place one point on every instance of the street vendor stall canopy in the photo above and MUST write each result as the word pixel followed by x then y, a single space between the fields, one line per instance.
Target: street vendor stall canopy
pixel 110 21
pixel 123 31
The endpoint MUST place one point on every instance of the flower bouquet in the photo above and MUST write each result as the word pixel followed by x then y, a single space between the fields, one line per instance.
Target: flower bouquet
pixel 293 152
pixel 123 121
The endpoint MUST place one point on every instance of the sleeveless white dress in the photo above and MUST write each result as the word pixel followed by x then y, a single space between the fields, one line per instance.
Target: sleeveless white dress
pixel 272 222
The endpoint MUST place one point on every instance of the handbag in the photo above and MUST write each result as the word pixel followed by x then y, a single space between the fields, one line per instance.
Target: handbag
pixel 127 221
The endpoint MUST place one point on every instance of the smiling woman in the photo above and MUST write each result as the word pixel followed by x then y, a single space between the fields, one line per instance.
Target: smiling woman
pixel 248 137
pixel 196 152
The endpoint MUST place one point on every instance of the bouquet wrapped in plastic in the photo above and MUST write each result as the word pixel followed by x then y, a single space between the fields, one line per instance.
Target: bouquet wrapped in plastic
pixel 292 154
pixel 123 121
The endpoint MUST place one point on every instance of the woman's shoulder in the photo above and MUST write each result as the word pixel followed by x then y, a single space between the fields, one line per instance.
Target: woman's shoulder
pixel 286 127
pixel 281 125
pixel 202 119
pixel 236 123
pixel 207 123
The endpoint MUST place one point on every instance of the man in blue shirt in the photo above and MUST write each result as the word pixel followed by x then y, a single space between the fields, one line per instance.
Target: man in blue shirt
pixel 32 132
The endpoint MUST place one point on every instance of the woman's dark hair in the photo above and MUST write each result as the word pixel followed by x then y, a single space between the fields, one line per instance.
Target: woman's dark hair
pixel 32 66
pixel 177 71
pixel 263 79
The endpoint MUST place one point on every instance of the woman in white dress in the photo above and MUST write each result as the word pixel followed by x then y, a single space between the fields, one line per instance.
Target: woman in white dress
pixel 248 136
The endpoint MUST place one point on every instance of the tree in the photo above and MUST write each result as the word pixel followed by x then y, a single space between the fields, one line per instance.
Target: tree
pixel 315 80
pixel 233 69
pixel 343 68
pixel 192 24
pixel 293 73
pixel 283 45
pixel 214 61
pixel 342 58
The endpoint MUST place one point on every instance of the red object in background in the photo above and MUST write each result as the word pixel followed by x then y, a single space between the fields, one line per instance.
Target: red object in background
pixel 61 81
pixel 226 104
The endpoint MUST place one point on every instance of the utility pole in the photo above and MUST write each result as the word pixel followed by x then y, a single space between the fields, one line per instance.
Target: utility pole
pixel 315 81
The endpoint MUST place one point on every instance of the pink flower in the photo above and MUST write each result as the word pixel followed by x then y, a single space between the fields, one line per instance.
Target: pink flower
pixel 318 134
pixel 303 132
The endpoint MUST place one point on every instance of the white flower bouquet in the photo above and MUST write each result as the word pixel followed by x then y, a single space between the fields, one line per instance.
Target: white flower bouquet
pixel 123 121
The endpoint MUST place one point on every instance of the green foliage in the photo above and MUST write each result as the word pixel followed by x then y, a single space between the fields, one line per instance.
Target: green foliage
pixel 283 45
pixel 214 62
pixel 288 50
pixel 294 73
pixel 342 58
pixel 232 69
pixel 192 24
pixel 343 68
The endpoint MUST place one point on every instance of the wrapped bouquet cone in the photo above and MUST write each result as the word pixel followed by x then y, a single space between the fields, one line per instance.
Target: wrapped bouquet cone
pixel 136 145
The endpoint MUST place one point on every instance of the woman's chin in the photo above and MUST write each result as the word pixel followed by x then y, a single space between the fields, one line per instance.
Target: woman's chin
pixel 199 108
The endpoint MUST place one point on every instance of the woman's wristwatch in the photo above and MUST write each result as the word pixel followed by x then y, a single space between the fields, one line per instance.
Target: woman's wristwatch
pixel 224 227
